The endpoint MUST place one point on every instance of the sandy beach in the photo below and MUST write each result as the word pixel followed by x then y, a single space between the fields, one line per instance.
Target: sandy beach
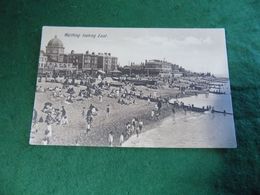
pixel 73 133
pixel 161 132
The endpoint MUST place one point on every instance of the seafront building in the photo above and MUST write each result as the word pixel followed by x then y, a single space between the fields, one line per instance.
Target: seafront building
pixel 55 60
pixel 161 67
pixel 154 67
pixel 106 62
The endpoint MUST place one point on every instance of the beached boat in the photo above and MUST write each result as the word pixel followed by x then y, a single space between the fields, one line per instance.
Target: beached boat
pixel 141 81
pixel 116 84
pixel 115 78
pixel 217 92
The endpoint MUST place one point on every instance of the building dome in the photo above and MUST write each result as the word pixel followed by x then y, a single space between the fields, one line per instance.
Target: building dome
pixel 55 42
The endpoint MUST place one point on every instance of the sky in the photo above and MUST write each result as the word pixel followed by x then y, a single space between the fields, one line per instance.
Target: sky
pixel 198 50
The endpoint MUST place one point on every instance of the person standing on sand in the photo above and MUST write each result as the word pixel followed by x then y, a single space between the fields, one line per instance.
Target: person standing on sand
pixel 48 132
pixel 140 125
pixel 89 117
pixel 157 114
pixel 121 139
pixel 134 124
pixel 159 105
pixel 185 110
pixel 63 112
pixel 100 98
pixel 110 139
pixel 77 142
pixel 84 113
pixel 173 111
pixel 148 100
pixel 137 131
pixel 156 107
pixel 128 129
pixel 152 114
pixel 155 94
pixel 87 127
pixel 34 118
pixel 107 111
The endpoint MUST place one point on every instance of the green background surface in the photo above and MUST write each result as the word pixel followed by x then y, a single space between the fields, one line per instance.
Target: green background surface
pixel 37 170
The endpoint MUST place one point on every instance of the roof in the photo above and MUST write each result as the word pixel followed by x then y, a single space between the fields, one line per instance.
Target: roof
pixel 55 42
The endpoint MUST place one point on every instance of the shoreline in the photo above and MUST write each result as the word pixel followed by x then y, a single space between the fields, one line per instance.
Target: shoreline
pixel 98 135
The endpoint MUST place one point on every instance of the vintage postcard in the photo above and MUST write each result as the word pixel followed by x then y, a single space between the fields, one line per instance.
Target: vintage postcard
pixel 133 87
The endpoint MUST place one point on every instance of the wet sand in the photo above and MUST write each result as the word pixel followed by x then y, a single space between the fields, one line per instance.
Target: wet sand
pixel 193 130
pixel 189 131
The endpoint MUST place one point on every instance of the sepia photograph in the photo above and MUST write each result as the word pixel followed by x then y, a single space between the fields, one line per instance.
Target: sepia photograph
pixel 133 87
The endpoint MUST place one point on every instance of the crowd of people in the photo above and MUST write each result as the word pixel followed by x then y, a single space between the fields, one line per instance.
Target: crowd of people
pixel 53 116
pixel 133 127
pixel 123 95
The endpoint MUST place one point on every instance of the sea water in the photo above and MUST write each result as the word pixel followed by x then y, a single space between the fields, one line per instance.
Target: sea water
pixel 199 130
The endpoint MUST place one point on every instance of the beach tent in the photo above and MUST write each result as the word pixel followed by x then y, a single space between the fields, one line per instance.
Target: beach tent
pixel 116 72
pixel 101 72
pixel 48 104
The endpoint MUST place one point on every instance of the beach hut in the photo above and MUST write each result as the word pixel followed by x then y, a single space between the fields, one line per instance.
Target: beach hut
pixel 116 73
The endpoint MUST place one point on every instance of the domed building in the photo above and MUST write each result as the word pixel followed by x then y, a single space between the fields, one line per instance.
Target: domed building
pixel 54 61
pixel 55 50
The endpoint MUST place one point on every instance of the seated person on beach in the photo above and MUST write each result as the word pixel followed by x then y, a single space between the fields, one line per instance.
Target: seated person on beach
pixel 47 108
pixel 45 141
pixel 69 99
pixel 94 111
pixel 111 94
pixel 49 119
pixel 39 89
pixel 71 90
pixel 64 121
pixel 91 106
pixel 121 101
pixel 81 93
